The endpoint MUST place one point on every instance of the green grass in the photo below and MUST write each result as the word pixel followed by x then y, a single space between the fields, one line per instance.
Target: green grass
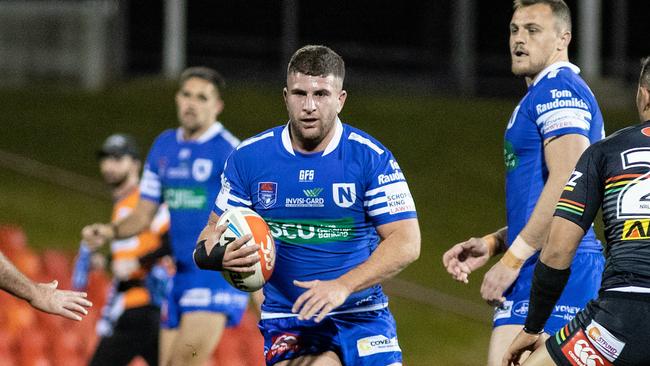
pixel 450 151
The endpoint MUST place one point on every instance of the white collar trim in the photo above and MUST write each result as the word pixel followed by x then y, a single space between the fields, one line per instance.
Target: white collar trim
pixel 333 144
pixel 554 67
pixel 211 132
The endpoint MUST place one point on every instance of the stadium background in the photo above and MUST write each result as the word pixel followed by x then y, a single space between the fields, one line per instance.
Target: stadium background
pixel 401 88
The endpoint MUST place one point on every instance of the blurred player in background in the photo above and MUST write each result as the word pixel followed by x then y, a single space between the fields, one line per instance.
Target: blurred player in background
pixel 131 317
pixel 42 296
pixel 551 126
pixel 613 329
pixel 342 217
pixel 183 170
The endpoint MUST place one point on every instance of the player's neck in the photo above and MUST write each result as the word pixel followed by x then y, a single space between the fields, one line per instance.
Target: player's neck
pixel 195 134
pixel 559 57
pixel 124 189
pixel 309 147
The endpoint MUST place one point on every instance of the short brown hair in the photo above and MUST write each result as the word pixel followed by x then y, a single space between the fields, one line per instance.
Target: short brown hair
pixel 205 73
pixel 317 60
pixel 559 9
pixel 644 78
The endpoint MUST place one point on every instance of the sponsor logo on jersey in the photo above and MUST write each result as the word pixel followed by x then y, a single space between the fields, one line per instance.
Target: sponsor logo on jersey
pixel 608 345
pixel 267 193
pixel 377 344
pixel 504 311
pixel 314 192
pixel 344 194
pixel 510 156
pixel 579 351
pixel 201 169
pixel 561 103
pixel 521 308
pixel 186 198
pixel 392 177
pixel 312 231
pixel 306 176
pixel 184 154
pixel 565 312
pixel 178 172
pixel 646 131
pixel 311 199
pixel 636 229
pixel 284 343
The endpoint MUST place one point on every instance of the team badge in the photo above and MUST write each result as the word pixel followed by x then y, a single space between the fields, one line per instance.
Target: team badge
pixel 267 193
pixel 344 194
pixel 201 169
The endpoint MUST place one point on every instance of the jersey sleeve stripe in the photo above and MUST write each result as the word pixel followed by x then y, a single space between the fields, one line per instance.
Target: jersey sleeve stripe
pixel 573 203
pixel 384 189
pixel 150 184
pixel 364 141
pixel 623 176
pixel 253 140
pixel 378 211
pixel 375 201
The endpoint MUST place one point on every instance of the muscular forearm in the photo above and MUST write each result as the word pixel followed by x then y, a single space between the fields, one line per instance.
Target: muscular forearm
pixel 394 253
pixel 537 228
pixel 13 281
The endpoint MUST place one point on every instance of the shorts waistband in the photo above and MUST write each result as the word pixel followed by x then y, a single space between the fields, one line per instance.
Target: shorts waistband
pixel 267 315
pixel 638 296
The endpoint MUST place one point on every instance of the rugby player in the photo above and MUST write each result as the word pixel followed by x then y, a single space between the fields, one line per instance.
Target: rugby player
pixel 549 129
pixel 343 220
pixel 183 170
pixel 130 319
pixel 613 329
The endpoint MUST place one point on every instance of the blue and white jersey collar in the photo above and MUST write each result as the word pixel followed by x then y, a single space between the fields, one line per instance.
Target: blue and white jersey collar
pixel 211 132
pixel 334 143
pixel 554 67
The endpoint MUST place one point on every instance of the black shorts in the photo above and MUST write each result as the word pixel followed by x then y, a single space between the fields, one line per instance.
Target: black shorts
pixel 135 334
pixel 612 330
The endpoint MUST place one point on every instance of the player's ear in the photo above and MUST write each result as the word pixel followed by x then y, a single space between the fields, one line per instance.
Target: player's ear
pixel 645 98
pixel 342 96
pixel 565 39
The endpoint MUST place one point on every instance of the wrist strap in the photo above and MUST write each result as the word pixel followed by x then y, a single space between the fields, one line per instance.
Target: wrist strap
pixel 491 243
pixel 214 261
pixel 518 253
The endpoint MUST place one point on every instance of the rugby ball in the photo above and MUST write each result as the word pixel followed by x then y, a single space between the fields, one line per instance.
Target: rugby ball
pixel 239 222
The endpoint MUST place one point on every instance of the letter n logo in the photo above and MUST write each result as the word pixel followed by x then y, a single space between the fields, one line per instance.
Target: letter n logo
pixel 344 194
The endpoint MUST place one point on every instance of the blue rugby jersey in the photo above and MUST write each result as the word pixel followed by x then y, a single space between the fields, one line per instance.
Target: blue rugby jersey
pixel 322 208
pixel 186 175
pixel 558 102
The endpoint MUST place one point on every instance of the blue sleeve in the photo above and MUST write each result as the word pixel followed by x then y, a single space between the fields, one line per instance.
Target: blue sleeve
pixel 151 184
pixel 387 197
pixel 233 191
pixel 561 106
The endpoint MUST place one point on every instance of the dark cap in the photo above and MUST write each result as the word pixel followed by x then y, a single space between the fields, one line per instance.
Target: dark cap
pixel 118 145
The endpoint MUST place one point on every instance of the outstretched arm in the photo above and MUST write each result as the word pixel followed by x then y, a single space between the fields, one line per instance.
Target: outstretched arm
pixel 140 219
pixel 464 258
pixel 42 296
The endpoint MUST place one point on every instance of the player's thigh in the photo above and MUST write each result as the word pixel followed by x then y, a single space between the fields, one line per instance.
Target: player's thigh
pixel 500 340
pixel 540 357
pixel 166 342
pixel 329 358
pixel 198 334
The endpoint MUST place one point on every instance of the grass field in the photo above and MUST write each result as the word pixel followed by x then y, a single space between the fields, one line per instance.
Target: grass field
pixel 449 149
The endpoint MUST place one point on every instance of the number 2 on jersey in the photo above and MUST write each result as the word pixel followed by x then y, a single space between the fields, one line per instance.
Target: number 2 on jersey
pixel 634 199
